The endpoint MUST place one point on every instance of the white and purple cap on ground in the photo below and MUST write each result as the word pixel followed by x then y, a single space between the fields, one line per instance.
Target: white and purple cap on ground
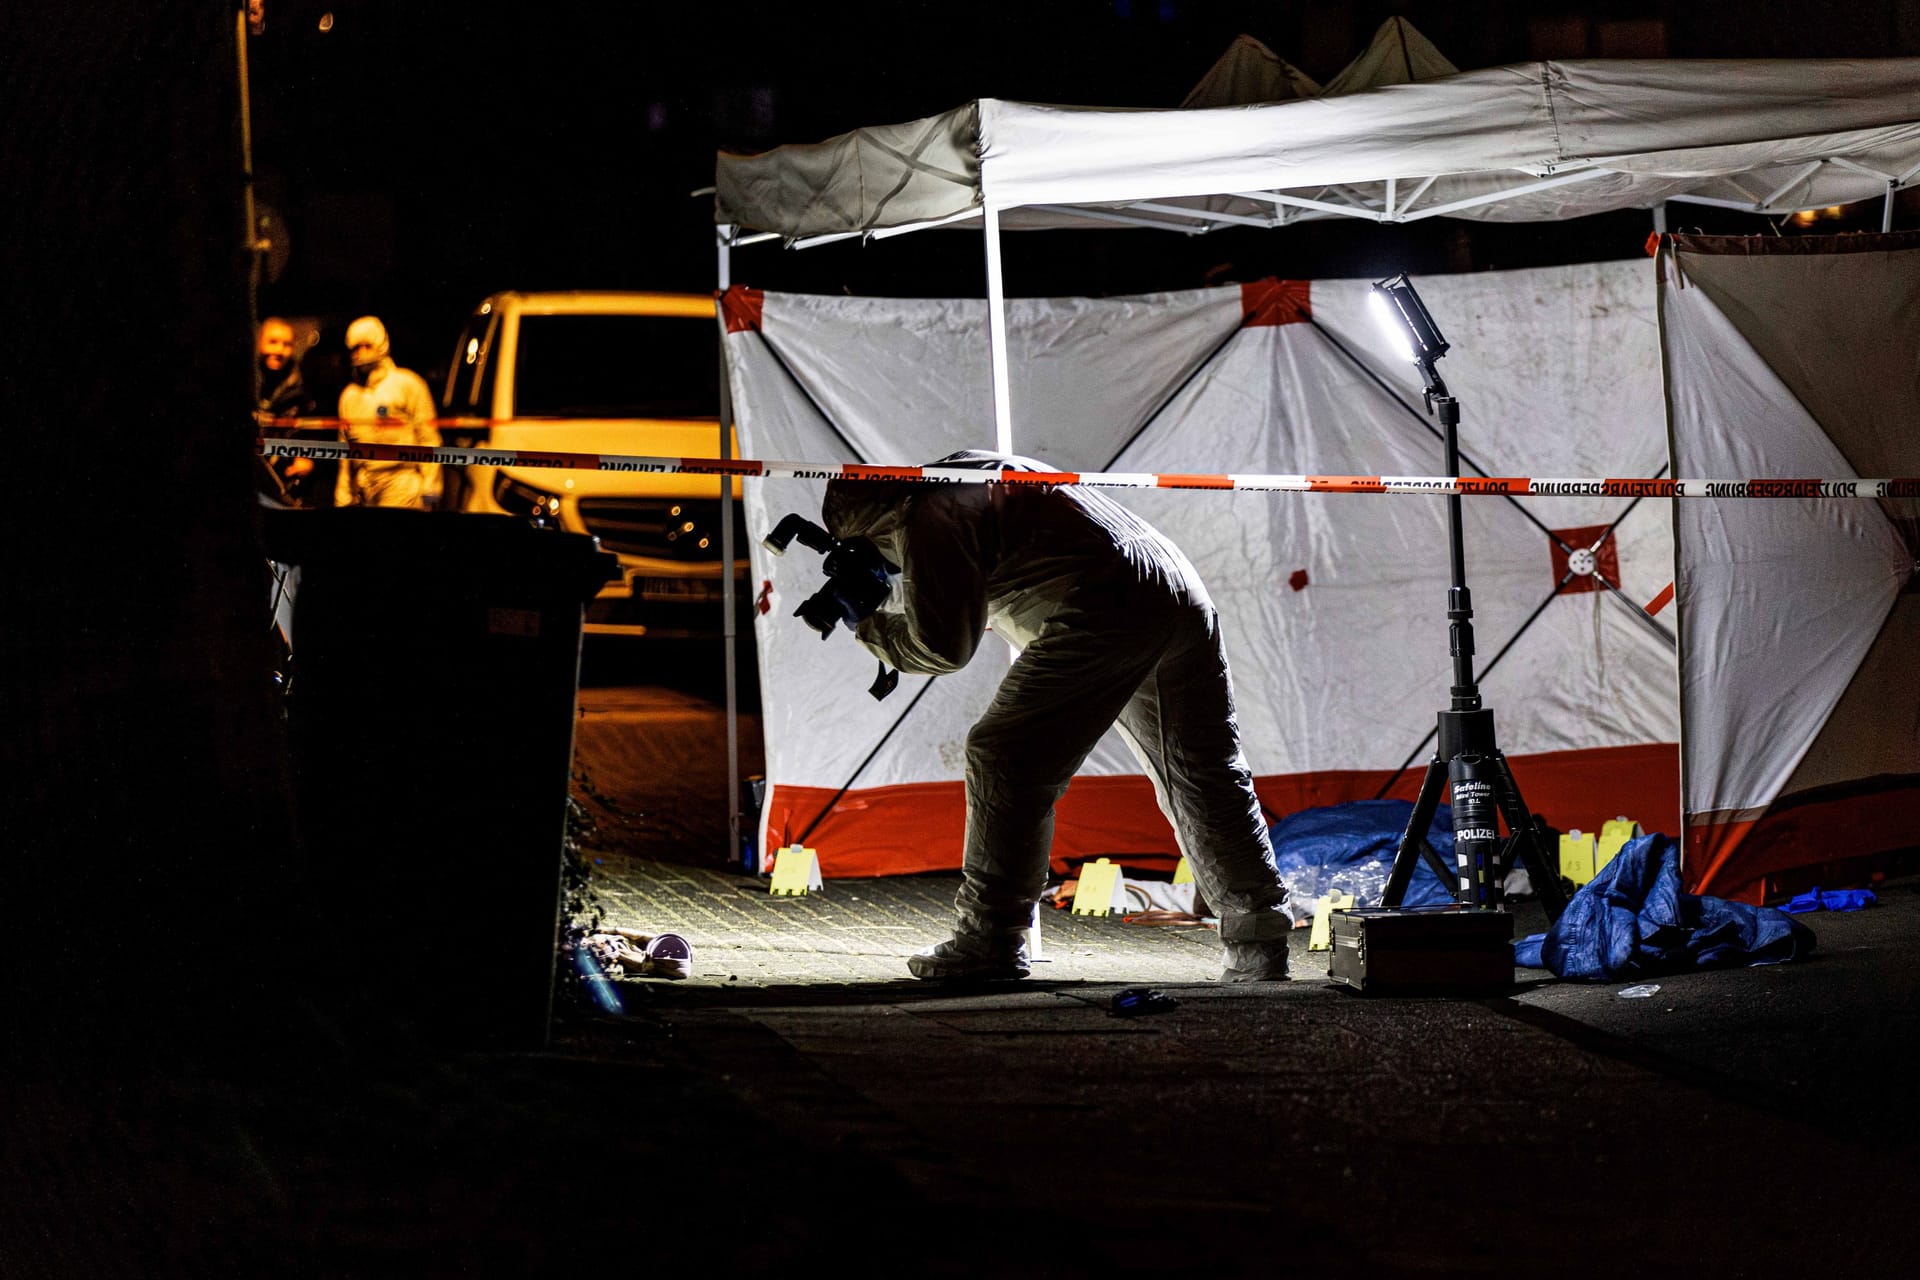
pixel 672 955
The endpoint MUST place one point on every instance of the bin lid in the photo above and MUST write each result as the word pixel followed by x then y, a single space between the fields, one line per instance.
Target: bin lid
pixel 468 545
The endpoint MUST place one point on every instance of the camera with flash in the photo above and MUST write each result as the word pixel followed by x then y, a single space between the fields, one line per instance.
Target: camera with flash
pixel 856 572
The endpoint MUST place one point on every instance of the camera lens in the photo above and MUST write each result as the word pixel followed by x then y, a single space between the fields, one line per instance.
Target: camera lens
pixel 820 611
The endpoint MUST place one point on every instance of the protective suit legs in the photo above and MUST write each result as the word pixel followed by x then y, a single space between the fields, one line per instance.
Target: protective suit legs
pixel 1161 673
pixel 1050 710
pixel 1181 726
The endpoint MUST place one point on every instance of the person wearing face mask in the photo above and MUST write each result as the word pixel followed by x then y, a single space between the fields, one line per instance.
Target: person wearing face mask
pixel 385 404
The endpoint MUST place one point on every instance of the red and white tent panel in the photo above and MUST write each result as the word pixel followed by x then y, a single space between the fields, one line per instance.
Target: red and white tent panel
pixel 1333 604
pixel 1800 619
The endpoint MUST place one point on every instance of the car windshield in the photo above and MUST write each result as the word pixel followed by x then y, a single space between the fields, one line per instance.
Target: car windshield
pixel 617 367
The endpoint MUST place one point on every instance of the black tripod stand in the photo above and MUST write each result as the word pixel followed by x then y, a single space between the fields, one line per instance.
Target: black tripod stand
pixel 1468 758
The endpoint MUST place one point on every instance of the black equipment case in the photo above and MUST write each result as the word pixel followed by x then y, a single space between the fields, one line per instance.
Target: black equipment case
pixel 1418 950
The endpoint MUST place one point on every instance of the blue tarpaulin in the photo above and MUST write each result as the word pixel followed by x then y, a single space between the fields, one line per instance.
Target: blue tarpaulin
pixel 1631 920
pixel 1349 848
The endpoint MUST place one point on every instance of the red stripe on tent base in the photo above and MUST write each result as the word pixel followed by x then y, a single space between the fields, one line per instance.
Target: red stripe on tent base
pixel 1855 822
pixel 1265 302
pixel 1568 788
pixel 878 831
pixel 916 827
pixel 1660 601
pixel 742 308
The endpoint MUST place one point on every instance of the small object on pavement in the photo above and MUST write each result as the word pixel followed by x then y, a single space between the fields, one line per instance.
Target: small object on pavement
pixel 671 956
pixel 1640 992
pixel 1817 899
pixel 1135 1001
pixel 642 955
pixel 594 978
pixel 1158 916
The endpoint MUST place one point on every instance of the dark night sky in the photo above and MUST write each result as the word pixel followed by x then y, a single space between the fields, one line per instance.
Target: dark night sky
pixel 423 155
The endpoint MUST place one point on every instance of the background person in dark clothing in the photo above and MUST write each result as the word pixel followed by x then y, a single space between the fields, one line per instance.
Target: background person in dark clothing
pixel 281 393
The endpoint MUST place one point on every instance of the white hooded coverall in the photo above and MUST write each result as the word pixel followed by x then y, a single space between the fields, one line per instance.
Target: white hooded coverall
pixel 386 404
pixel 1113 625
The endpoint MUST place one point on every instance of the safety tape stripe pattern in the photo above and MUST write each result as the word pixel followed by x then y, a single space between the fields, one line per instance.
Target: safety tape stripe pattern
pixel 1509 486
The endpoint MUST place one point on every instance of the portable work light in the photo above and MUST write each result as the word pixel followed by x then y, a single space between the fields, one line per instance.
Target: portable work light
pixel 1406 320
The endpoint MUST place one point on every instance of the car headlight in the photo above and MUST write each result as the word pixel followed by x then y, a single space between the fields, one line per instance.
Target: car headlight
pixel 524 499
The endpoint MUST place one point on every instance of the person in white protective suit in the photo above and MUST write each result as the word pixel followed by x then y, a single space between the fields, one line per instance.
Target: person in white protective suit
pixel 1112 625
pixel 385 404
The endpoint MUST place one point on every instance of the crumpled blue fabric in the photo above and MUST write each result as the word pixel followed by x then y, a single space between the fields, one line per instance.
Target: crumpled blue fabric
pixel 1818 899
pixel 1349 848
pixel 1631 920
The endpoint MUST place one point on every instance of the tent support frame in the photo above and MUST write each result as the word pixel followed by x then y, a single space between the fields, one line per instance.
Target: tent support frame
pixel 1128 220
pixel 736 847
pixel 997 330
pixel 1356 206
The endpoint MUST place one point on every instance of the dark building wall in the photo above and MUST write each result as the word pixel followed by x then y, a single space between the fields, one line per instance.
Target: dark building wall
pixel 145 852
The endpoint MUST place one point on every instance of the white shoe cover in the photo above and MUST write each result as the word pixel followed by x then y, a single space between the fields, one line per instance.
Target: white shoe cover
pixel 971 958
pixel 1255 962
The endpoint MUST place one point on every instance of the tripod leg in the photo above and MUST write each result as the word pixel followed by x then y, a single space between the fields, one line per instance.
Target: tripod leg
pixel 1441 871
pixel 1543 867
pixel 1415 838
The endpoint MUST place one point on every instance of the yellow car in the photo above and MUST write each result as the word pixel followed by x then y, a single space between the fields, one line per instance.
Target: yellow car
pixel 608 373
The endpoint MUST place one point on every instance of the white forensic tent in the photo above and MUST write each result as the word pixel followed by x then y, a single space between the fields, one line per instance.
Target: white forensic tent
pixel 1800 670
pixel 1526 142
pixel 1333 607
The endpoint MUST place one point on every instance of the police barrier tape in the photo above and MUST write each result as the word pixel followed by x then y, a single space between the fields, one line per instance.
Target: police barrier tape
pixel 1508 486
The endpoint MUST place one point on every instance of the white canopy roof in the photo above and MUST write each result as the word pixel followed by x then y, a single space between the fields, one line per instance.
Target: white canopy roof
pixel 1527 142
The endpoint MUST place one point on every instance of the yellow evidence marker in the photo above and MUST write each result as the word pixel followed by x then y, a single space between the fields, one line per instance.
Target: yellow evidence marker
pixel 1102 892
pixel 1614 833
pixel 1320 938
pixel 1577 862
pixel 796 870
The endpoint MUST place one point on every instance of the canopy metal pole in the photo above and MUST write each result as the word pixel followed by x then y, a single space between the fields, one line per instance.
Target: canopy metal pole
pixel 997 332
pixel 1886 206
pixel 723 273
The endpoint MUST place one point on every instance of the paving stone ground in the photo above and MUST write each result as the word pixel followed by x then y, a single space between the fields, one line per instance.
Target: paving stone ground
pixel 861 931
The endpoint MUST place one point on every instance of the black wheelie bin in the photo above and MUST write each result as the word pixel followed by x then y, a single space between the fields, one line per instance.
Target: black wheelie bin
pixel 430 705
